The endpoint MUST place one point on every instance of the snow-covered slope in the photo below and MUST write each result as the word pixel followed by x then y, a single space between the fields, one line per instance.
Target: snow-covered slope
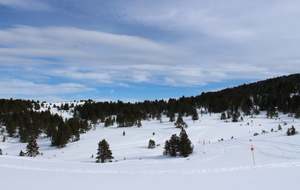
pixel 215 164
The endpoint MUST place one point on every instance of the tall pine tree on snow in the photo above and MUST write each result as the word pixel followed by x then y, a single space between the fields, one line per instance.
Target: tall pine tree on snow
pixel 171 146
pixel 32 148
pixel 185 145
pixel 104 153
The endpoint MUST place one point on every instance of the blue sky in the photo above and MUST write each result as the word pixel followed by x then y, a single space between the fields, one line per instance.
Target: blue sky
pixel 133 50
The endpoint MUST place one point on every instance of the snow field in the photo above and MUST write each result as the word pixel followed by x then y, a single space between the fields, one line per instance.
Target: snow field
pixel 215 164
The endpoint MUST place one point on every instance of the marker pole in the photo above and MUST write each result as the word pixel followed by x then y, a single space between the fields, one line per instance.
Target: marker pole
pixel 252 149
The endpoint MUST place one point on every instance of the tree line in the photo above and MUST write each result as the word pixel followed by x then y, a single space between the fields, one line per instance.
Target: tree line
pixel 22 120
pixel 281 94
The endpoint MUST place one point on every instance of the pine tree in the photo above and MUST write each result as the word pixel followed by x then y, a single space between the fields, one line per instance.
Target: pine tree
pixel 271 112
pixel 61 135
pixel 107 122
pixel 180 123
pixel 171 116
pixel 178 145
pixel 223 116
pixel 32 148
pixel 139 123
pixel 195 115
pixel 235 116
pixel 171 146
pixel 185 145
pixel 167 148
pixel 104 153
pixel 4 138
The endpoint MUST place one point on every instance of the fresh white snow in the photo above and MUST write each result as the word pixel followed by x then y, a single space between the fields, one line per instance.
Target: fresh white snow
pixel 215 164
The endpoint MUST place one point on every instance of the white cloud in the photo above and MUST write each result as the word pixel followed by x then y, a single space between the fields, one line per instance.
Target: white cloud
pixel 266 29
pixel 32 5
pixel 84 55
pixel 82 45
pixel 21 87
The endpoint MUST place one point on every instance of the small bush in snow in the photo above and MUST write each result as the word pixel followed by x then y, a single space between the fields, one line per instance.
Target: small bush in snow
pixel 291 131
pixel 151 144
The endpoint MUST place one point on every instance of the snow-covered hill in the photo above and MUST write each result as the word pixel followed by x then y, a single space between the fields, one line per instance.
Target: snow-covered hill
pixel 215 163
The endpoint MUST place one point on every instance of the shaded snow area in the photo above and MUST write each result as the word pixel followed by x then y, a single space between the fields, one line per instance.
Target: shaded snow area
pixel 215 163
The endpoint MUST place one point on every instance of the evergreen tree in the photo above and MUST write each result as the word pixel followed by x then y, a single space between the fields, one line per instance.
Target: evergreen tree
pixel 94 120
pixel 151 144
pixel 11 128
pixel 271 112
pixel 235 116
pixel 109 122
pixel 178 145
pixel 174 143
pixel 185 145
pixel 223 116
pixel 104 153
pixel 61 136
pixel 279 127
pixel 180 123
pixel 167 148
pixel 195 115
pixel 171 116
pixel 297 113
pixel 246 106
pixel 32 148
pixel 66 107
pixel 4 138
pixel 74 124
pixel 158 116
pixel 171 146
pixel 139 123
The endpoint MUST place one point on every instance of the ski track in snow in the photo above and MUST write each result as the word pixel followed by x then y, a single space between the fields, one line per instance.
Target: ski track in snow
pixel 208 148
pixel 287 147
pixel 184 172
pixel 281 148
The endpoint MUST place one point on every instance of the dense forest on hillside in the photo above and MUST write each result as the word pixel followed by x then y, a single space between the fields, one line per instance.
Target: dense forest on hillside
pixel 23 119
pixel 278 94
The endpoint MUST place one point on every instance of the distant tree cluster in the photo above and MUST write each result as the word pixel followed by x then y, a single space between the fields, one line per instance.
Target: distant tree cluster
pixel 291 131
pixel 21 120
pixel 179 145
pixel 281 94
pixel 131 114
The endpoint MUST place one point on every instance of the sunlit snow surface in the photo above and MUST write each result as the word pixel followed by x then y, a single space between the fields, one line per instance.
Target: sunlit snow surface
pixel 215 164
